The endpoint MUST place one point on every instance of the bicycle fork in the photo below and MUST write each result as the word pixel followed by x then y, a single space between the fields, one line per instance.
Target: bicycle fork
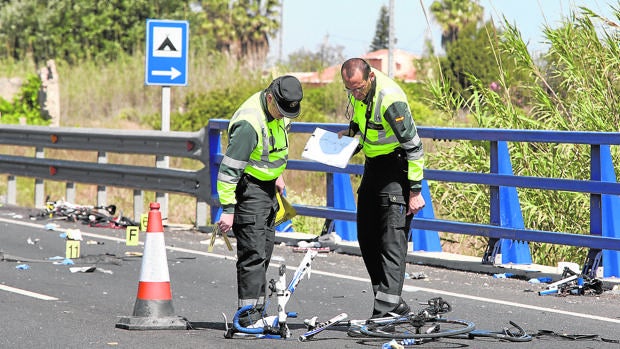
pixel 284 293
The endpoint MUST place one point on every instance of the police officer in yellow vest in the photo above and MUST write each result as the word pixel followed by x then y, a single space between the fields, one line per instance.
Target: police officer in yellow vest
pixel 248 177
pixel 389 194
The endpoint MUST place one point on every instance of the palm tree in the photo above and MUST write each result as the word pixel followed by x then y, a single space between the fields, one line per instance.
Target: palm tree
pixel 255 22
pixel 241 28
pixel 454 15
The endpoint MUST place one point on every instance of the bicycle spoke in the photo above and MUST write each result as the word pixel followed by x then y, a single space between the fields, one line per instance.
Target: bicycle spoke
pixel 406 328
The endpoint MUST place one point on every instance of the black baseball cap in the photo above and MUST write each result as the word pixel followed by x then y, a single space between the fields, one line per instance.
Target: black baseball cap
pixel 288 94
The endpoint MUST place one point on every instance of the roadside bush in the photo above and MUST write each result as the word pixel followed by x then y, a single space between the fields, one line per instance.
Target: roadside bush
pixel 25 105
pixel 575 87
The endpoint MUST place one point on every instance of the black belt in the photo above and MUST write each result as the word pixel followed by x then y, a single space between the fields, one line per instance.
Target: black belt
pixel 398 153
pixel 257 181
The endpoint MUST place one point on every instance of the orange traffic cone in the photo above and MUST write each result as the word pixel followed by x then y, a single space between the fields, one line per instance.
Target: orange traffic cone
pixel 153 309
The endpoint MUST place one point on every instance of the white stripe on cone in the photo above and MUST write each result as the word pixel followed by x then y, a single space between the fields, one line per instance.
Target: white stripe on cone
pixel 154 261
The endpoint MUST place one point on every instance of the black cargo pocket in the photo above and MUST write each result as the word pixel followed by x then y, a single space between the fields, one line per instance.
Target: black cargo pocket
pixel 245 219
pixel 396 209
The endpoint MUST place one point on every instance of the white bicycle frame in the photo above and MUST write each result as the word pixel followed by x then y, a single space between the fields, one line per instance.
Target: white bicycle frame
pixel 283 294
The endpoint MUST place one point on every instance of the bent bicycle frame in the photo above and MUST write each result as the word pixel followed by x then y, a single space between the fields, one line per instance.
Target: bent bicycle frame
pixel 283 294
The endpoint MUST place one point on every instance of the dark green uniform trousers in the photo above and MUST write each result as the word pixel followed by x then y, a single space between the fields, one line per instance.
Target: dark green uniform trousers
pixel 253 227
pixel 383 227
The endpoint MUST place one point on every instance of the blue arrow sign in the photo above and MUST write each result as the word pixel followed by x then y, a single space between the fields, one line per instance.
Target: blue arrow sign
pixel 166 52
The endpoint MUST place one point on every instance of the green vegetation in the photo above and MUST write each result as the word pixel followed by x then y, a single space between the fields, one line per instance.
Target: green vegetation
pixel 74 31
pixel 575 88
pixel 25 106
pixel 461 62
pixel 455 15
pixel 102 31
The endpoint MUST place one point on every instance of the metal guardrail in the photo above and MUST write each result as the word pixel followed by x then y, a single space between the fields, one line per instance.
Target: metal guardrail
pixel 595 186
pixel 205 146
pixel 159 179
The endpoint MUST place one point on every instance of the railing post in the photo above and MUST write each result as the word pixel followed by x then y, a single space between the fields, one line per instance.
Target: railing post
pixel 201 213
pixel 603 221
pixel 70 191
pixel 102 158
pixel 138 204
pixel 11 190
pixel 162 197
pixel 39 186
pixel 493 244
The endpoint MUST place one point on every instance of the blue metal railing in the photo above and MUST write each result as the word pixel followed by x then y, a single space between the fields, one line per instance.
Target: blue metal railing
pixel 595 186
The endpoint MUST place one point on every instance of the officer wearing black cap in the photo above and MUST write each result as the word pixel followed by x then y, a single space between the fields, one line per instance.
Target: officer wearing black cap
pixel 248 177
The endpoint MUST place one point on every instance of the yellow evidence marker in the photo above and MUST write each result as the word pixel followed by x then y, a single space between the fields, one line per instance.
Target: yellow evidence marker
pixel 144 220
pixel 132 236
pixel 72 249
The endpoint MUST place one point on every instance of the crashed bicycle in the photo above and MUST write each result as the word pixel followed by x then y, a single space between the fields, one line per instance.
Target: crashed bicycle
pixel 94 216
pixel 416 328
pixel 274 326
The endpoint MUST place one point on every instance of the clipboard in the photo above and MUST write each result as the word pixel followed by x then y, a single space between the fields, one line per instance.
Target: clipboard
pixel 325 147
pixel 285 212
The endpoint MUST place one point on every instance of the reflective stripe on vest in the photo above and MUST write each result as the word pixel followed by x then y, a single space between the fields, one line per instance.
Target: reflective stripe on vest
pixel 380 139
pixel 263 164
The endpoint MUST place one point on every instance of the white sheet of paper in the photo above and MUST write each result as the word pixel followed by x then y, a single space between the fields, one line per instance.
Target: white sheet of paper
pixel 325 147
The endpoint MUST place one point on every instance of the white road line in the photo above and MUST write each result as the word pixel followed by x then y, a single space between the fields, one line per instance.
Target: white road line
pixel 27 293
pixel 406 288
pixel 512 304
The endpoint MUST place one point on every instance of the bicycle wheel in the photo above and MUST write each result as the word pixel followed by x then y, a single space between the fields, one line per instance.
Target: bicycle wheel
pixel 404 327
pixel 514 334
pixel 497 335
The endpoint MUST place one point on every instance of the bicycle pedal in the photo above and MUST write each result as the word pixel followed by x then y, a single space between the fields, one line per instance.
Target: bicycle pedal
pixel 433 329
pixel 229 333
pixel 311 323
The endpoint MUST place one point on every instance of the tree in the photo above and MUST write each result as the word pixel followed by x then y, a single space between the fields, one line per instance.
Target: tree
pixel 241 28
pixel 304 60
pixel 79 29
pixel 474 53
pixel 584 63
pixel 382 31
pixel 74 30
pixel 454 15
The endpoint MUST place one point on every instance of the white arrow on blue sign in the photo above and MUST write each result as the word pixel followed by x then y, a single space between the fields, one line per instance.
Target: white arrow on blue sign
pixel 167 44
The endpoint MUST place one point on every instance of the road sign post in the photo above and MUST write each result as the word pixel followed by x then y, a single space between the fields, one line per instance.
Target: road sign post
pixel 167 45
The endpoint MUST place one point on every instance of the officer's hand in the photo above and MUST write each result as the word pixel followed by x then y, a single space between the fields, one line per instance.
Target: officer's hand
pixel 416 203
pixel 343 133
pixel 226 221
pixel 280 185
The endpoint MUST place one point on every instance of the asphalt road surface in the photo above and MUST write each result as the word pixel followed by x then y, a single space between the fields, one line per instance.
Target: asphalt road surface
pixel 49 306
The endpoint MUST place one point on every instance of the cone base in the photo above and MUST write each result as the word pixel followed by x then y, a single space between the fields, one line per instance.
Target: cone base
pixel 153 308
pixel 151 323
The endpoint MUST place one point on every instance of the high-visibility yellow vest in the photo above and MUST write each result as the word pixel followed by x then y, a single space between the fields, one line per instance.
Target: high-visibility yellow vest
pixel 268 159
pixel 380 138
